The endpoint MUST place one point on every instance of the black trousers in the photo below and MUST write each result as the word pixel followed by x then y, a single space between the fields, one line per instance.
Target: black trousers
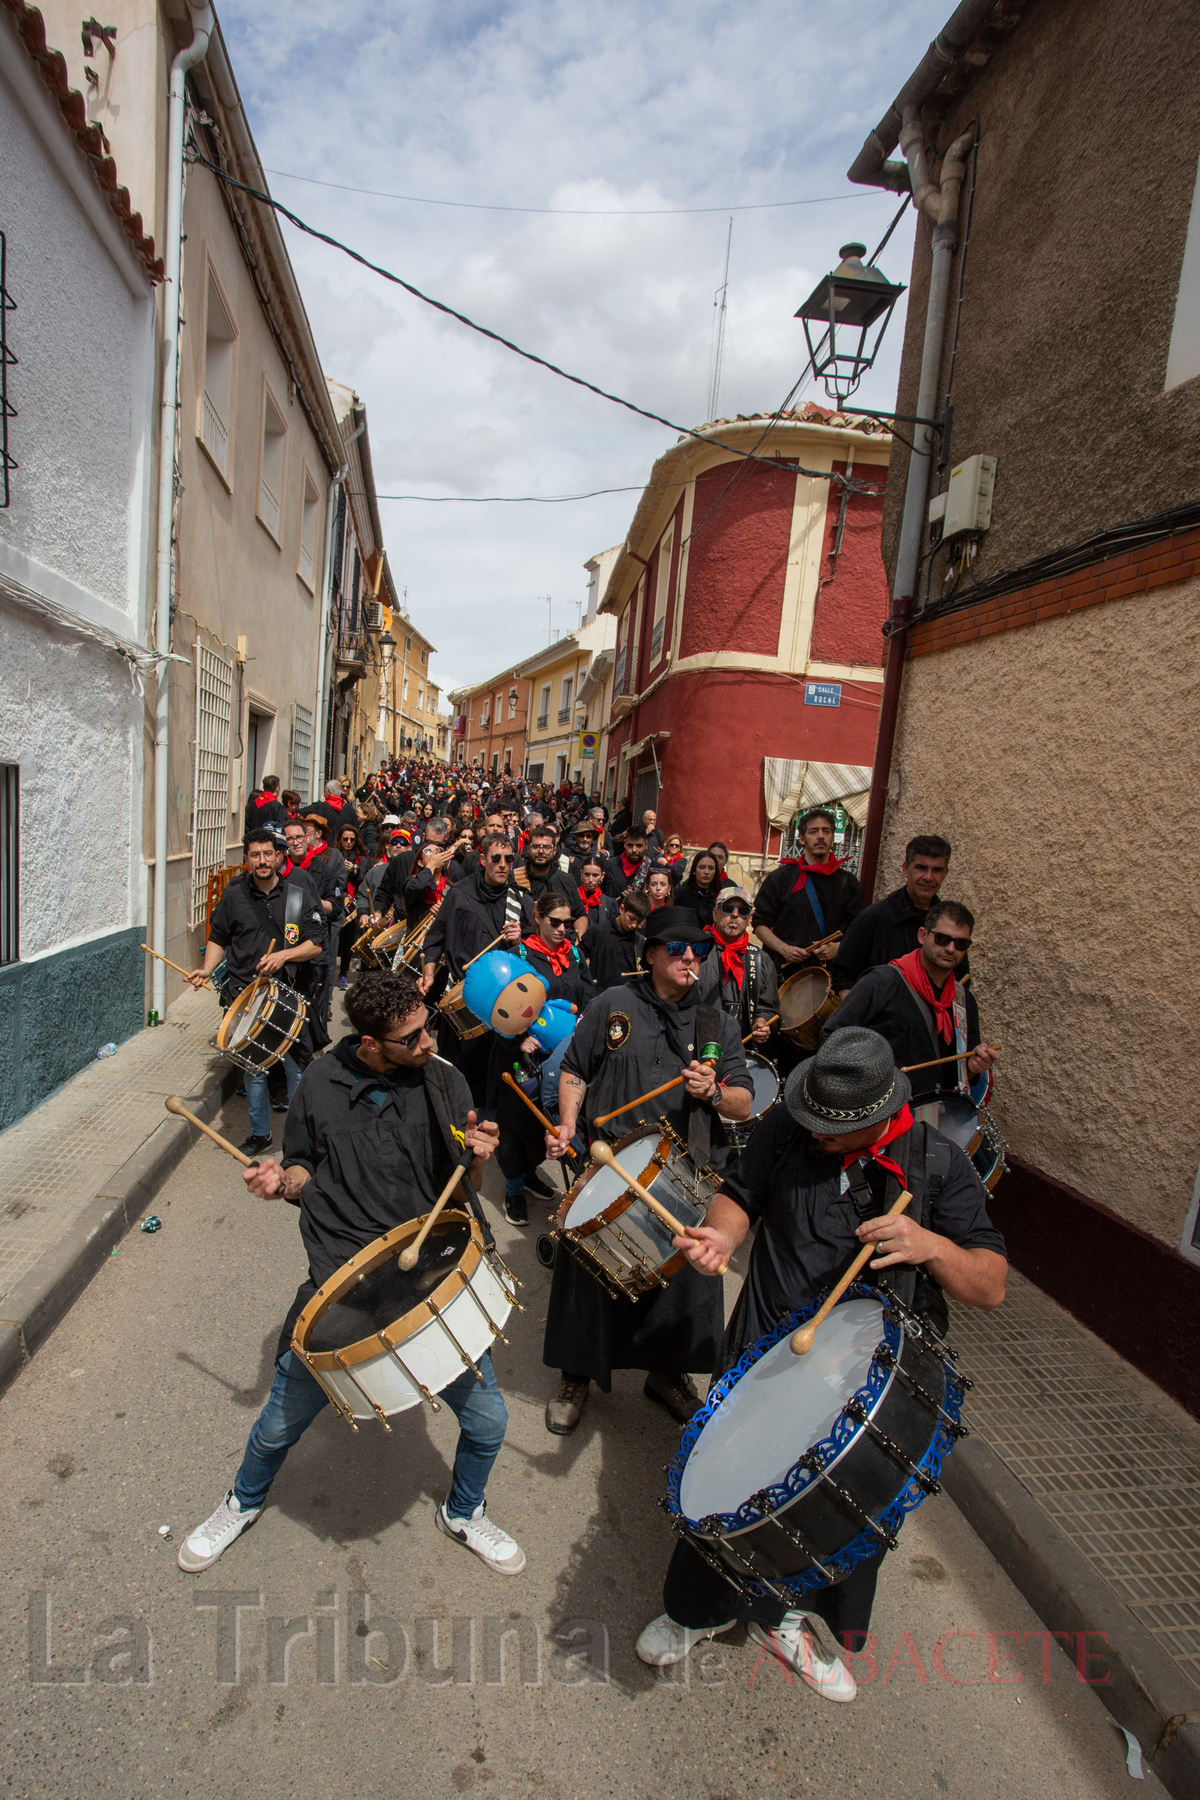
pixel 694 1594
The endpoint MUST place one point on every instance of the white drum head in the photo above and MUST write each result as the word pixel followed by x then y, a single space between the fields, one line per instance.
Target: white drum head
pixel 605 1185
pixel 250 1014
pixel 780 1408
pixel 766 1086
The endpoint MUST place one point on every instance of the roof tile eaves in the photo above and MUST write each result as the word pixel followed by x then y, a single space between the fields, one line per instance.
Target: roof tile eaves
pixel 90 138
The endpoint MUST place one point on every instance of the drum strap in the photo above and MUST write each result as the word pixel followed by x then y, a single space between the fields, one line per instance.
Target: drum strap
pixel 708 1030
pixel 439 1086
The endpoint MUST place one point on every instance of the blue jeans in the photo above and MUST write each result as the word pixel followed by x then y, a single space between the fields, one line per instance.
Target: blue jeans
pixel 296 1399
pixel 258 1100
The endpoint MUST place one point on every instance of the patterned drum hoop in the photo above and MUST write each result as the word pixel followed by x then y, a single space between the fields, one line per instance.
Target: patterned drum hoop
pixel 456 1013
pixel 261 1026
pixel 613 1233
pixel 797 1467
pixel 385 944
pixel 381 1339
pixel 806 999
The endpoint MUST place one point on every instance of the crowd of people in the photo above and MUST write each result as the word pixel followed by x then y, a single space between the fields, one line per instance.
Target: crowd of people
pixel 675 973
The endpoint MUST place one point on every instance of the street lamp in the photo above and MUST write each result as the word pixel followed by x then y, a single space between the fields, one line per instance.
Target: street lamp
pixel 387 644
pixel 850 299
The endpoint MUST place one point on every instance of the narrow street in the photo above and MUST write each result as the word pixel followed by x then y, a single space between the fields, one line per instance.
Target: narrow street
pixel 125 1677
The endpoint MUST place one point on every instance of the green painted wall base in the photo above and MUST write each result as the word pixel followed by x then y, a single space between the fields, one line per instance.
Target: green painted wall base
pixel 55 1014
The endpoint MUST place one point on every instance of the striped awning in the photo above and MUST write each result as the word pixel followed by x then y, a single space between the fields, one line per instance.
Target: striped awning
pixel 790 785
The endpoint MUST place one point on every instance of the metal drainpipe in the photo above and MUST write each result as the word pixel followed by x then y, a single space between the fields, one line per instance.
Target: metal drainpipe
pixel 203 25
pixel 941 202
pixel 317 773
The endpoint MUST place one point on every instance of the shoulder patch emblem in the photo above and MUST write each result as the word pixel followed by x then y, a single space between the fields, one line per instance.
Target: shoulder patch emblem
pixel 291 936
pixel 618 1030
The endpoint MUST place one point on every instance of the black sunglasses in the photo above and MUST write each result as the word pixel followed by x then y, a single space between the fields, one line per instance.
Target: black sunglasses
pixel 944 938
pixel 411 1039
pixel 736 908
pixel 677 946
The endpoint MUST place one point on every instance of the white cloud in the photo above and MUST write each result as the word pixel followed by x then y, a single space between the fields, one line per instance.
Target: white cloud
pixel 549 103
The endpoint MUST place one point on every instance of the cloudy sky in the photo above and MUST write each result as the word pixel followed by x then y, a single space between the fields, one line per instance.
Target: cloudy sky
pixel 577 143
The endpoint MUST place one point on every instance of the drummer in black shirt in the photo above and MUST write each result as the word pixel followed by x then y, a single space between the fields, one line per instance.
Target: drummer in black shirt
pixel 740 978
pixel 801 902
pixel 889 928
pixel 256 910
pixel 371 1137
pixel 631 1039
pixel 815 1168
pixel 920 1008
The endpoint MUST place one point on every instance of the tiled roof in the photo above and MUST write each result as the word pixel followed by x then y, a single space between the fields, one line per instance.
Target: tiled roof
pixel 808 414
pixel 90 137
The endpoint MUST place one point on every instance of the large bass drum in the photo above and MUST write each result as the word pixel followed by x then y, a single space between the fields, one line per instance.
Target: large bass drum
pixel 797 1467
pixel 381 1339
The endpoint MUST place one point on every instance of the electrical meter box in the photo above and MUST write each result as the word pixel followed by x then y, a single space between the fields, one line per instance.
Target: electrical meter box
pixel 969 496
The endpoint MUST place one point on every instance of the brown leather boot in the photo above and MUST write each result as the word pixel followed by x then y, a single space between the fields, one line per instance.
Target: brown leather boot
pixel 563 1412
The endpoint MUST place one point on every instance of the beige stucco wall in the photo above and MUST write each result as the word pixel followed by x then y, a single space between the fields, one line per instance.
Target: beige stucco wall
pixel 1061 763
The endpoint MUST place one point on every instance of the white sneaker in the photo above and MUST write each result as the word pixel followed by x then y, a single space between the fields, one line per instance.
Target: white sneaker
pixel 792 1641
pixel 480 1534
pixel 663 1642
pixel 201 1548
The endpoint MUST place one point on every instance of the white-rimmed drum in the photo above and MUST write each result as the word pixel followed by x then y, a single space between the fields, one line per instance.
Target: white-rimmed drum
pixel 613 1233
pixel 380 1339
pixel 797 1467
pixel 262 1025
pixel 765 1077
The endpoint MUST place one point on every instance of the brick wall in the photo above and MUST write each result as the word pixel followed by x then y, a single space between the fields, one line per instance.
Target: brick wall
pixel 1135 572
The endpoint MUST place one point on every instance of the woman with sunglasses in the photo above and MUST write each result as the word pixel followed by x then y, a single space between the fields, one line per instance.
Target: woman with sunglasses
pixel 631 1039
pixel 674 858
pixel 705 881
pixel 739 977
pixel 923 1012
pixel 551 953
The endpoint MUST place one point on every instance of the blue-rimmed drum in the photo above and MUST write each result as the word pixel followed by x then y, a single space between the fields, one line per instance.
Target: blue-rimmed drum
pixel 798 1467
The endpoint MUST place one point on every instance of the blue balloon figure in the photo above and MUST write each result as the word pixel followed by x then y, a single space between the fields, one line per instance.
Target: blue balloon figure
pixel 555 1023
pixel 502 991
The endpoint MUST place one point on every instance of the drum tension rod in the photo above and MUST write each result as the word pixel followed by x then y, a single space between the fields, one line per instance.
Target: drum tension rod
pixel 887 1361
pixel 344 1366
pixel 856 1409
pixel 763 1503
pixel 816 1464
pixel 433 1307
pixel 435 1405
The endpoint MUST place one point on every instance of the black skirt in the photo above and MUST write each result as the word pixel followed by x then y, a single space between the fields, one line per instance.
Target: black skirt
pixel 675 1330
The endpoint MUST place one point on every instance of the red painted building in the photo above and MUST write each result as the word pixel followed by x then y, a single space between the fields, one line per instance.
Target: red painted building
pixel 742 587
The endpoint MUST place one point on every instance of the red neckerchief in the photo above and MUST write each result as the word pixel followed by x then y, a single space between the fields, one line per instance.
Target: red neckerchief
pixel 314 850
pixel 336 804
pixel 289 868
pixel 830 866
pixel 439 888
pixel 917 977
pixel 630 873
pixel 733 956
pixel 265 799
pixel 590 901
pixel 559 960
pixel 897 1128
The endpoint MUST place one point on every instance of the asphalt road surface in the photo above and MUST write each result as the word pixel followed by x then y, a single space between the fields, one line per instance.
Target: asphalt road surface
pixel 122 1676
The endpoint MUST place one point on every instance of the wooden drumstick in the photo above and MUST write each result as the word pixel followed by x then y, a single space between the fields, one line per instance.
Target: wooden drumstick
pixel 802 1339
pixel 963 1056
pixel 186 973
pixel 774 1019
pixel 666 1087
pixel 601 1153
pixel 484 951
pixel 175 1105
pixel 408 1256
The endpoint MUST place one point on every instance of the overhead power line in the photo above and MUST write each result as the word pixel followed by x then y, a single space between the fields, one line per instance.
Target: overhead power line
pixel 451 312
pixel 574 212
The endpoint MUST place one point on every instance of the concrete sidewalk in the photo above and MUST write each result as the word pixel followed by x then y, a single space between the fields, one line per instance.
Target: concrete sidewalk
pixel 80 1169
pixel 1080 1475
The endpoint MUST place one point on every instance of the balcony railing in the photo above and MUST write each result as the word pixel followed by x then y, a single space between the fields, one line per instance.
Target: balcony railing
pixel 216 436
pixel 543 721
pixel 564 715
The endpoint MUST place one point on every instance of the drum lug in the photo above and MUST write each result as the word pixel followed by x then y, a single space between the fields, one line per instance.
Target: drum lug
pixel 763 1503
pixel 434 1405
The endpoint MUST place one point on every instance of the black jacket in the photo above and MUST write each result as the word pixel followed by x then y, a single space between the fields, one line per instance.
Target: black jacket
pixel 610 952
pixel 390 892
pixel 758 996
pixel 880 934
pixel 558 880
pixel 701 900
pixel 883 1001
pixel 421 886
pixel 271 812
pixel 470 916
pixel 791 916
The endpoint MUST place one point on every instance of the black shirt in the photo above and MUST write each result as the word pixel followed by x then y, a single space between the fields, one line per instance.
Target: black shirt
pixel 700 900
pixel 421 887
pixel 883 1001
pixel 806 1221
pixel 610 951
pixel 470 916
pixel 373 1148
pixel 271 812
pixel 245 920
pixel 791 916
pixel 653 1041
pixel 880 934
pixel 758 996
pixel 390 892
pixel 556 878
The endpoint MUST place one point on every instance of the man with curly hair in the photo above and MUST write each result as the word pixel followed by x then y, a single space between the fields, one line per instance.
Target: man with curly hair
pixel 372 1134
